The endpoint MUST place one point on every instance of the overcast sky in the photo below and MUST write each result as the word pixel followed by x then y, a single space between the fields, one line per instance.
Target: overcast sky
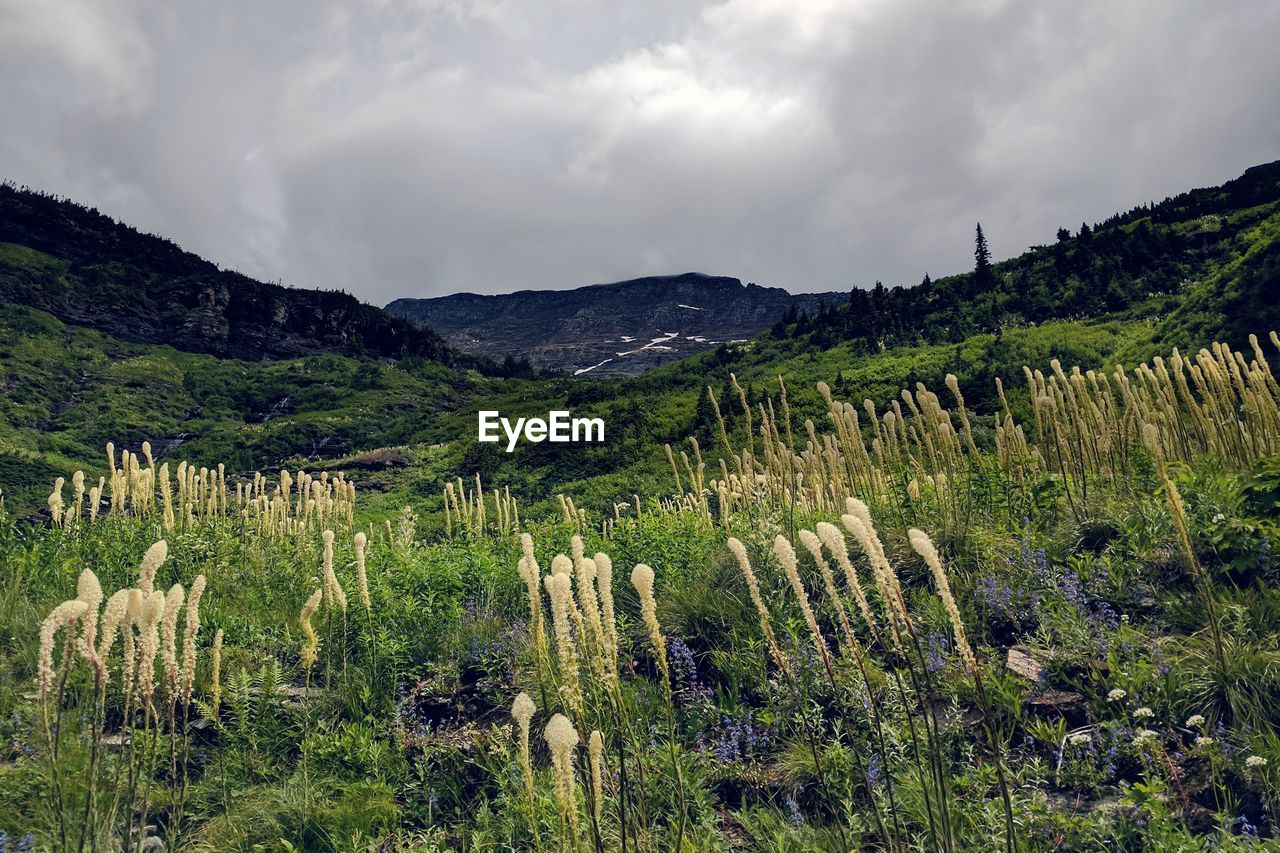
pixel 420 147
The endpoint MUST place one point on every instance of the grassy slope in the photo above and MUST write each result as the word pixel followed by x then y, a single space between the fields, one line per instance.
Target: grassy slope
pixel 71 389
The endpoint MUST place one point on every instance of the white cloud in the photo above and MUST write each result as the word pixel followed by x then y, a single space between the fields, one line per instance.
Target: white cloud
pixel 415 147
pixel 101 42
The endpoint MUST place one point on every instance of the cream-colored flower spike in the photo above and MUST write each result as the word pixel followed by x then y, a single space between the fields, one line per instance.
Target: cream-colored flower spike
pixel 642 579
pixel 835 543
pixel 311 644
pixel 190 630
pixel 558 588
pixel 604 580
pixel 787 558
pixel 813 545
pixel 333 592
pixel 169 637
pixel 62 618
pixel 89 590
pixel 886 578
pixel 113 616
pixel 151 611
pixel 362 577
pixel 739 552
pixel 562 738
pixel 923 546
pixel 151 561
pixel 522 711
pixel 595 750
pixel 215 673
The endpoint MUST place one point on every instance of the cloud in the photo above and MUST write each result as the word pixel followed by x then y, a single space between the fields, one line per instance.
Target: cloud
pixel 418 147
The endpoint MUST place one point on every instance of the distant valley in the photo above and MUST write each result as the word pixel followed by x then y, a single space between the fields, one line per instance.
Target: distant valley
pixel 618 329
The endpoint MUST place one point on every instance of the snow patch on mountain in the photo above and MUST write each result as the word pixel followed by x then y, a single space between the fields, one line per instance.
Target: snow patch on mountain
pixel 655 344
pixel 583 370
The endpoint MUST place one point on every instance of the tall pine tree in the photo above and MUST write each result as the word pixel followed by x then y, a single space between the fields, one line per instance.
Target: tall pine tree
pixel 982 275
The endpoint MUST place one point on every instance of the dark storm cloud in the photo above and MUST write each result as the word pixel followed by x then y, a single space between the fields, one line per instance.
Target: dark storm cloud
pixel 417 147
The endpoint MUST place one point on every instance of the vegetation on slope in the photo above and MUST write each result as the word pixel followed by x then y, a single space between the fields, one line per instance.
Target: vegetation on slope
pixel 1092 643
pixel 90 270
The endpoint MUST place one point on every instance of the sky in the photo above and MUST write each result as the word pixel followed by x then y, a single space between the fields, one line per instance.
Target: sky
pixel 395 148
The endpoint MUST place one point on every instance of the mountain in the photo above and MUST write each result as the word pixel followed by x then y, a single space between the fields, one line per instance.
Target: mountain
pixel 1203 265
pixel 89 270
pixel 1209 258
pixel 617 329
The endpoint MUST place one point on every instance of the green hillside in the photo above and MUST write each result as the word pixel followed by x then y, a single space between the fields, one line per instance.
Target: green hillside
pixel 1194 268
pixel 983 610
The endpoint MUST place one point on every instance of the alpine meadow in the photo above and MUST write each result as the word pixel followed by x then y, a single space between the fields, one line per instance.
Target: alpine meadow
pixel 983 563
pixel 477 426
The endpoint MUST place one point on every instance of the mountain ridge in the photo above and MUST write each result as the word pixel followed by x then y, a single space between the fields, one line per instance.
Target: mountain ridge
pixel 618 328
pixel 92 271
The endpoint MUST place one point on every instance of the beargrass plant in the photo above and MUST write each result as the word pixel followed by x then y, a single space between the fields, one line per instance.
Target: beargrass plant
pixel 917 623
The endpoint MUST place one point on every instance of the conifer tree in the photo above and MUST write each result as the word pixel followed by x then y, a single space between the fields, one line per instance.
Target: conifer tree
pixel 982 277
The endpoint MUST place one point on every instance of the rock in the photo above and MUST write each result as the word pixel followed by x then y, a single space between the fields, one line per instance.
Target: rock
pixel 1023 664
pixel 617 329
pixel 1058 701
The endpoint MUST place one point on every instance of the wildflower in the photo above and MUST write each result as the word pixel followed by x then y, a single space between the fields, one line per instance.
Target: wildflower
pixel 362 579
pixel 312 644
pixel 857 520
pixel 89 591
pixel 133 616
pixel 150 611
pixel 561 595
pixel 835 542
pixel 522 710
pixel 925 548
pixel 642 580
pixel 1116 694
pixel 333 593
pixel 189 637
pixel 1144 713
pixel 169 634
pixel 1079 739
pixel 595 749
pixel 62 617
pixel 113 616
pixel 1203 742
pixel 787 557
pixel 55 501
pixel 561 738
pixel 813 545
pixel 739 551
pixel 591 607
pixel 585 572
pixel 1253 762
pixel 151 561
pixel 1195 721
pixel 1145 735
pixel 531 573
pixel 215 677
pixel 604 582
pixel 793 810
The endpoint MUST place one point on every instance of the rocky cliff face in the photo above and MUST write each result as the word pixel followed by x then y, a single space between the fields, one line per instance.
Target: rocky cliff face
pixel 615 329
pixel 89 270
